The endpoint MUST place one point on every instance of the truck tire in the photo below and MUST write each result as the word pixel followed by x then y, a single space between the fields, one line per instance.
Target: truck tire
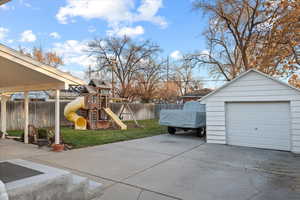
pixel 200 132
pixel 171 130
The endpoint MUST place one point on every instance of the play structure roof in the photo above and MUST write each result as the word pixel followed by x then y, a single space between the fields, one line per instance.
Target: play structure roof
pixel 100 84
pixel 89 89
pixel 64 95
pixel 94 85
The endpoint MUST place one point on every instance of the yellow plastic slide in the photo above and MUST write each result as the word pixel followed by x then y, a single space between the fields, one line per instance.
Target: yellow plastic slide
pixel 70 113
pixel 115 118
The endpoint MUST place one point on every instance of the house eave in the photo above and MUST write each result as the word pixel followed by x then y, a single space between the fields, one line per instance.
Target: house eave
pixel 3 2
pixel 28 62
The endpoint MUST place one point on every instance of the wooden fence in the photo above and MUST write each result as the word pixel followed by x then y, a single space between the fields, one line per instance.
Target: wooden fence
pixel 42 114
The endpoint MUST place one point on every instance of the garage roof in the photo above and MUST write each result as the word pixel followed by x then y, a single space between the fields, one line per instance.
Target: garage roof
pixel 244 74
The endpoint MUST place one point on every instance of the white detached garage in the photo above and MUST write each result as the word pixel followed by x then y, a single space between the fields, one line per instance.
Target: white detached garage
pixel 254 110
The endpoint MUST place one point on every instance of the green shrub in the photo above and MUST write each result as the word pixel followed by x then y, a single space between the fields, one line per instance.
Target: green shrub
pixel 42 133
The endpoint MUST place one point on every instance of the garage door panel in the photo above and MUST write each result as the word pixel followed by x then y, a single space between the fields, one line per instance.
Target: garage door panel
pixel 254 115
pixel 263 145
pixel 262 125
pixel 273 119
pixel 253 138
pixel 263 106
pixel 260 128
pixel 257 141
pixel 248 134
pixel 261 133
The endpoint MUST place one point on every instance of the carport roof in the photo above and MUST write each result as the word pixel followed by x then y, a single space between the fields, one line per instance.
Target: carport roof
pixel 22 73
pixel 244 74
pixel 3 1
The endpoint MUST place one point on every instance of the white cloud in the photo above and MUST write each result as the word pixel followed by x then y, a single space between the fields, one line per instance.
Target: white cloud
pixel 176 55
pixel 55 35
pixel 115 12
pixel 74 72
pixel 79 74
pixel 206 52
pixel 5 7
pixel 148 10
pixel 74 52
pixel 28 36
pixel 3 33
pixel 28 5
pixel 92 29
pixel 128 31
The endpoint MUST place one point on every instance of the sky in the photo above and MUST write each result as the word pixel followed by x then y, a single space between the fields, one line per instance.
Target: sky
pixel 65 26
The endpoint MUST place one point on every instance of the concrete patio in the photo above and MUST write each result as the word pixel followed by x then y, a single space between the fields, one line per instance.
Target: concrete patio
pixel 169 167
pixel 11 149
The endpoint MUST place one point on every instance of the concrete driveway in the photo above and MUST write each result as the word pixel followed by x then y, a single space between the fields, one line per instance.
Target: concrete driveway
pixel 170 167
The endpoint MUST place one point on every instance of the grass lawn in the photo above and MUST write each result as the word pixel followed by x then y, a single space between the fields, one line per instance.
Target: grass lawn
pixel 79 139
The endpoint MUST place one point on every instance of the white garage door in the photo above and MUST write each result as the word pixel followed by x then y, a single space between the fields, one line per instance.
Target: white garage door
pixel 262 125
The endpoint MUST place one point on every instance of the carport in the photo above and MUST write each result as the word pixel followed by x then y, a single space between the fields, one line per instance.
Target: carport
pixel 3 1
pixel 20 73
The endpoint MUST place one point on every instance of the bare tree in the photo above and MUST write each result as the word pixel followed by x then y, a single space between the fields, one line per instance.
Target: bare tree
pixel 147 80
pixel 244 34
pixel 168 92
pixel 124 57
pixel 183 77
pixel 50 58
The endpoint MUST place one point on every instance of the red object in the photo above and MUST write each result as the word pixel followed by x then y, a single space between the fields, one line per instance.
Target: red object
pixel 58 147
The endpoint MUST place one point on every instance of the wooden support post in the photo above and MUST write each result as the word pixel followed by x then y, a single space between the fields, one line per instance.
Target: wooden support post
pixel 3 116
pixel 26 109
pixel 57 120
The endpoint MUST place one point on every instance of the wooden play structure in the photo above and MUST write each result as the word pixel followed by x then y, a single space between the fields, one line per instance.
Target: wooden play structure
pixel 93 108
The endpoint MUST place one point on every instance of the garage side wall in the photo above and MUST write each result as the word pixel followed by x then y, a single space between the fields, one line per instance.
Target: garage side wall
pixel 295 126
pixel 253 87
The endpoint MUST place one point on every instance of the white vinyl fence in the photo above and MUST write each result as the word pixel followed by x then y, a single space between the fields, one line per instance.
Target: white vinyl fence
pixel 42 114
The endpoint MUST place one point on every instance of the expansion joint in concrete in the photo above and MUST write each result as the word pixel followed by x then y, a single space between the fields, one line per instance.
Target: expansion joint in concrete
pixel 163 161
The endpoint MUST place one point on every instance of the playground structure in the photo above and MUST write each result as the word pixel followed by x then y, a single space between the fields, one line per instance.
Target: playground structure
pixel 93 108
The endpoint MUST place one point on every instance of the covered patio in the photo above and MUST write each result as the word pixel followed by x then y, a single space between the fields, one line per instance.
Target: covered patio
pixel 20 73
pixel 4 1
